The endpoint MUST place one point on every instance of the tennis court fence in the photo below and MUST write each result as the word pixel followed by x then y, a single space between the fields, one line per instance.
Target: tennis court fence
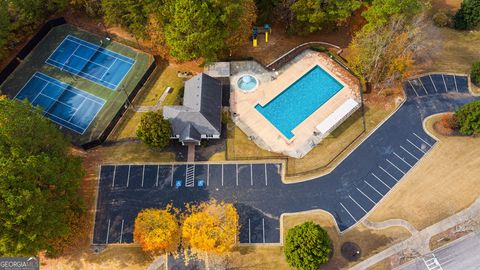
pixel 122 110
pixel 31 44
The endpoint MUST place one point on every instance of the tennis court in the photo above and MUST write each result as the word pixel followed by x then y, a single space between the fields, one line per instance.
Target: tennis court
pixel 91 62
pixel 63 104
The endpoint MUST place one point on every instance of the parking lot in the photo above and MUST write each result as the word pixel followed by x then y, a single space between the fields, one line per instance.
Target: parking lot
pixel 349 192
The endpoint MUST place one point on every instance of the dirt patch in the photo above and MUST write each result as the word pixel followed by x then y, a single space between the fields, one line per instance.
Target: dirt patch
pixel 271 257
pixel 454 233
pixel 443 183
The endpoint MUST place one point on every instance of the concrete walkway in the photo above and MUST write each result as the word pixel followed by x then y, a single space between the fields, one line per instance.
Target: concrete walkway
pixel 156 107
pixel 420 240
pixel 390 223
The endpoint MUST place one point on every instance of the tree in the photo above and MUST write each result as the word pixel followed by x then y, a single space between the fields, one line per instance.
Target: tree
pixel 386 55
pixel 154 130
pixel 265 9
pixel 39 180
pixel 210 227
pixel 157 231
pixel 468 16
pixel 475 73
pixel 468 118
pixel 313 15
pixel 131 14
pixel 307 246
pixel 207 28
pixel 380 12
pixel 4 28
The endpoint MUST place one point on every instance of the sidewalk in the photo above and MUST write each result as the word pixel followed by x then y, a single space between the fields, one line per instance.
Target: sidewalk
pixel 420 241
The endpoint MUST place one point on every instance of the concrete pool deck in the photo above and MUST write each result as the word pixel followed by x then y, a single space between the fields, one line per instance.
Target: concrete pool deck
pixel 271 84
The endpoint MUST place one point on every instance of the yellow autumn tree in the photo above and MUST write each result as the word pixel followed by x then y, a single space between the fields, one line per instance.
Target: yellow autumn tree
pixel 210 227
pixel 157 230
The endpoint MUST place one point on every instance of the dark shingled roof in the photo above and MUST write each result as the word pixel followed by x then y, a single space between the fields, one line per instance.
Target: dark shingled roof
pixel 201 110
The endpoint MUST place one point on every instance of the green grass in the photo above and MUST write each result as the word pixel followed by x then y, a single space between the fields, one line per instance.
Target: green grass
pixel 164 76
pixel 35 61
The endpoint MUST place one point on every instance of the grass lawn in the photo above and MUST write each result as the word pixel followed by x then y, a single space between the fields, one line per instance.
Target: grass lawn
pixel 328 153
pixel 271 257
pixel 113 257
pixel 165 76
pixel 443 183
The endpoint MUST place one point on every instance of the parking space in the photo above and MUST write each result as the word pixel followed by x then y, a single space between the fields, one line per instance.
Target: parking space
pixel 436 84
pixel 367 193
pixel 125 189
pixel 348 192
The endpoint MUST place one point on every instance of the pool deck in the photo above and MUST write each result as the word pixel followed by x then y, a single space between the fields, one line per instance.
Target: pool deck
pixel 271 84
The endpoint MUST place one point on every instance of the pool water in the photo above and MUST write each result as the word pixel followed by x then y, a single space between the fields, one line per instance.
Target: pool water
pixel 247 83
pixel 302 98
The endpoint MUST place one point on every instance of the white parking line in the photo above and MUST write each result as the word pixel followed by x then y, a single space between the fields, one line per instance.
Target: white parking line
pixel 433 84
pixel 373 188
pixel 416 146
pixel 422 139
pixel 357 204
pixel 222 175
pixel 108 231
pixel 171 177
pixel 446 88
pixel 121 232
pixel 426 92
pixel 128 177
pixel 266 175
pixel 236 173
pixel 381 168
pixel 413 88
pixel 381 180
pixel 366 196
pixel 402 159
pixel 143 174
pixel 348 212
pixel 114 171
pixel 249 232
pixel 455 81
pixel 395 166
pixel 409 153
pixel 158 172
pixel 251 175
pixel 263 229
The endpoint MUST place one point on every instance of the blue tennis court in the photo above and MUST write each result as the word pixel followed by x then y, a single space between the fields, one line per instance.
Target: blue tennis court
pixel 91 62
pixel 62 103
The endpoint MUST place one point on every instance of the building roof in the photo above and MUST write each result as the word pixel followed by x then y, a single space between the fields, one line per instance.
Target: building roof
pixel 200 113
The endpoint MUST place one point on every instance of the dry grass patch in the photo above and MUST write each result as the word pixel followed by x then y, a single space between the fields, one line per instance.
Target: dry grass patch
pixel 443 183
pixel 271 257
pixel 113 257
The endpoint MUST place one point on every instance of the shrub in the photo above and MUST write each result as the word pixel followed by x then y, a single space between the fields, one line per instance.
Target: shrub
pixel 475 73
pixel 468 16
pixel 307 246
pixel 449 121
pixel 468 117
pixel 154 130
pixel 441 19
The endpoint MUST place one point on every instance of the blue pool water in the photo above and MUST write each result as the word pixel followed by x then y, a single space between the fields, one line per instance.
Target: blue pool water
pixel 302 98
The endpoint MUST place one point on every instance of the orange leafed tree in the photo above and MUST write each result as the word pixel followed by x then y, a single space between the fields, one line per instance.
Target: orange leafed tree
pixel 211 227
pixel 157 230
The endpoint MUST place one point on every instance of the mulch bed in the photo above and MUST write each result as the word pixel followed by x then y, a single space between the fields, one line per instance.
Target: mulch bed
pixel 351 251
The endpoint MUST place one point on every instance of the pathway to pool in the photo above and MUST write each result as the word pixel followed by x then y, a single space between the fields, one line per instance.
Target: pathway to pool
pixel 348 193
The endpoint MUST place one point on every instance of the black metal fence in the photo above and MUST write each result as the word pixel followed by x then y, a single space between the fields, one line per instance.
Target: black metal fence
pixel 31 44
pixel 122 110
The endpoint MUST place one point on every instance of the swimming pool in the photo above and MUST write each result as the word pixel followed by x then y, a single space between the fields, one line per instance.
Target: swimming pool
pixel 298 101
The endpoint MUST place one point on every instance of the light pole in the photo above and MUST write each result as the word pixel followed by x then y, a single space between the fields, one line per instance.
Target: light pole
pixel 122 89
